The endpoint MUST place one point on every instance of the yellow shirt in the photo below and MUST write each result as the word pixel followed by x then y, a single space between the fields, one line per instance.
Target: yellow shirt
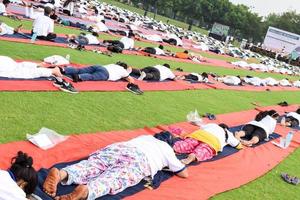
pixel 207 138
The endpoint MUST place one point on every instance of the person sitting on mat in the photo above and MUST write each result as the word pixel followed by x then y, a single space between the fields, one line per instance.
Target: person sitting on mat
pixel 155 73
pixel 258 130
pixel 43 26
pixel 20 180
pixel 206 142
pixel 291 119
pixel 7 30
pixel 125 43
pixel 202 78
pixel 114 168
pixel 230 80
pixel 3 11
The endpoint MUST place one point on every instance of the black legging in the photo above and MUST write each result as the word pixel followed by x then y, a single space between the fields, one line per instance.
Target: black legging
pixel 150 50
pixel 251 131
pixel 170 41
pixel 115 43
pixel 152 74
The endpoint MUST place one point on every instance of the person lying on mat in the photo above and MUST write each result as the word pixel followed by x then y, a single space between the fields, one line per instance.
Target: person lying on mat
pixel 285 83
pixel 83 39
pixel 296 84
pixel 173 39
pixel 270 81
pixel 186 55
pixel 7 30
pixel 155 50
pixel 206 142
pixel 155 73
pixel 20 180
pixel 230 80
pixel 291 119
pixel 202 78
pixel 43 26
pixel 114 168
pixel 30 70
pixel 258 130
pixel 125 43
pixel 256 81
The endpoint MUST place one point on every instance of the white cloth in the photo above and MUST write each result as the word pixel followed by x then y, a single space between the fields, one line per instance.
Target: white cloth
pixel 43 25
pixel 267 123
pixel 219 133
pixel 254 81
pixel 9 189
pixel 57 60
pixel 158 153
pixel 128 42
pixel 294 115
pixel 200 78
pixel 230 80
pixel 70 7
pixel 296 84
pixel 25 70
pixel 5 29
pixel 270 81
pixel 284 83
pixel 100 27
pixel 30 13
pixel 116 72
pixel 159 51
pixel 2 9
pixel 155 38
pixel 165 73
pixel 92 39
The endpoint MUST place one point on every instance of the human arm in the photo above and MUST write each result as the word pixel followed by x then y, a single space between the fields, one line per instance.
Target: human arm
pixel 129 79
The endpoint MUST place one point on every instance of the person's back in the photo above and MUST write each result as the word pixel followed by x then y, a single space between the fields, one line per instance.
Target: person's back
pixel 43 25
pixel 165 72
pixel 116 72
pixel 128 42
pixel 182 55
pixel 267 123
pixel 2 9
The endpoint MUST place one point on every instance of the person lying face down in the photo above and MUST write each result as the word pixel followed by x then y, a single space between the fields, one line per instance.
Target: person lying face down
pixel 111 72
pixel 20 180
pixel 125 43
pixel 8 30
pixel 230 80
pixel 25 70
pixel 206 142
pixel 259 129
pixel 155 73
pixel 114 168
pixel 291 119
pixel 202 78
pixel 83 39
pixel 155 50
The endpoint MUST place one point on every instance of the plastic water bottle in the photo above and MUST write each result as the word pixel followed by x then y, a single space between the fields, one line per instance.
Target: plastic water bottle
pixel 33 37
pixel 288 138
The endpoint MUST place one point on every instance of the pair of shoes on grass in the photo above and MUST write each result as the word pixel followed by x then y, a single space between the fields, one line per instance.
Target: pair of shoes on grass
pixel 134 89
pixel 65 86
pixel 290 179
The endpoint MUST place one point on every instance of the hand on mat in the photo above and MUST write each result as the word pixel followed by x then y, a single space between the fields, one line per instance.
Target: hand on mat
pixel 246 143
pixel 191 158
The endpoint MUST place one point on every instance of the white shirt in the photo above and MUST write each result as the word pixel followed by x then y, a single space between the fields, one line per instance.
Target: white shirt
pixel 2 9
pixel 219 133
pixel 43 25
pixel 128 42
pixel 254 81
pixel 270 81
pixel 92 39
pixel 116 72
pixel 5 29
pixel 296 84
pixel 268 124
pixel 200 78
pixel 9 189
pixel 294 115
pixel 70 7
pixel 100 27
pixel 231 80
pixel 159 51
pixel 158 153
pixel 284 82
pixel 165 73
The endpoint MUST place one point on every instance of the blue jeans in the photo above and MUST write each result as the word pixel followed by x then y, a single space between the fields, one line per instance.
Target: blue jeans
pixel 92 73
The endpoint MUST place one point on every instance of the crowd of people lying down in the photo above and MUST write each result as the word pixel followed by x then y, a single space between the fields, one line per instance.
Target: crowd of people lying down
pixel 45 13
pixel 120 165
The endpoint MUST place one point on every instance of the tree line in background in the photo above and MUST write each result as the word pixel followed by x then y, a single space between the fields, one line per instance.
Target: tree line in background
pixel 204 13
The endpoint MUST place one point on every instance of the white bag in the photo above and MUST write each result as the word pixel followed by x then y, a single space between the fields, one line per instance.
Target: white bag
pixel 57 60
pixel 194 118
pixel 46 138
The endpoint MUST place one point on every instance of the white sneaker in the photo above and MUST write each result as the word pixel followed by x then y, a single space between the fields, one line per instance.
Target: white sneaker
pixel 142 76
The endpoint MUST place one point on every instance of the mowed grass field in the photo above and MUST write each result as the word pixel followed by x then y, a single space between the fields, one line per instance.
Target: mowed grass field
pixel 86 112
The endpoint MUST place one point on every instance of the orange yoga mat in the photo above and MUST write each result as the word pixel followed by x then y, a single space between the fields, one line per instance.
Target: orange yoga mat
pixel 205 180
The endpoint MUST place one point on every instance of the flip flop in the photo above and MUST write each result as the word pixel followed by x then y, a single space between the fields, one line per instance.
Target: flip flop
pixel 290 179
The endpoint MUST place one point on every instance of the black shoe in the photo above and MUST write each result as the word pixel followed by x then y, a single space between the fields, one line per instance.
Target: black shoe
pixel 134 89
pixel 65 86
pixel 75 78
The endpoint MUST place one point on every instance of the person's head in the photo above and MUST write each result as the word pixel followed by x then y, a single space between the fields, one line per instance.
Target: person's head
pixel 6 2
pixel 95 34
pixel 131 34
pixel 23 172
pixel 103 21
pixel 263 114
pixel 122 64
pixel 186 51
pixel 47 11
pixel 204 75
pixel 298 111
pixel 273 114
pixel 161 47
pixel 166 65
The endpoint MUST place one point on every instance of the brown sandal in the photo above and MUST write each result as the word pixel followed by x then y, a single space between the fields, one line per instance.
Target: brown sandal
pixel 80 193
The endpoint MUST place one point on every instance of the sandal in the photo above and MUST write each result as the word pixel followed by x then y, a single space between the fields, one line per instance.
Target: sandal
pixel 290 179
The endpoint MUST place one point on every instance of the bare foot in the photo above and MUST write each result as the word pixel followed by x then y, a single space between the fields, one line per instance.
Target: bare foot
pixel 191 157
pixel 50 184
pixel 80 193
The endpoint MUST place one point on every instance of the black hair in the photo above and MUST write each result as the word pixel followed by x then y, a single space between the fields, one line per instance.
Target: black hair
pixel 122 64
pixel 67 3
pixel 103 21
pixel 249 76
pixel 204 75
pixel 294 122
pixel 185 51
pixel 130 34
pixel 96 10
pixel 47 11
pixel 6 2
pixel 263 114
pixel 161 47
pixel 298 111
pixel 22 169
pixel 166 65
pixel 225 127
pixel 95 34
